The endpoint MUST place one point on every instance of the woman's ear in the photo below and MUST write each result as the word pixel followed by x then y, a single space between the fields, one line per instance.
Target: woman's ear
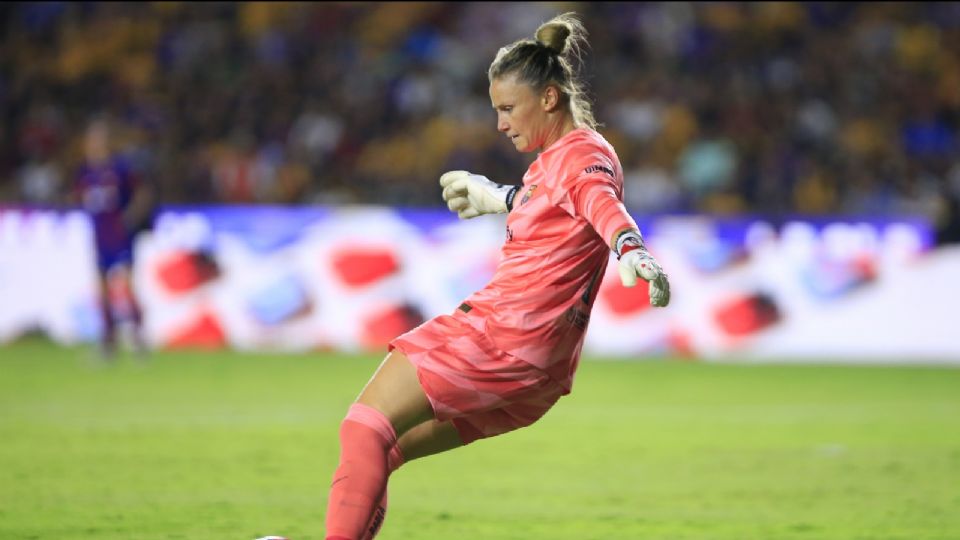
pixel 550 98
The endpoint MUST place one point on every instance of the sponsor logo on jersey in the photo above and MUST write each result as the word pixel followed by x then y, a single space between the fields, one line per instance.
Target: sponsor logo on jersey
pixel 598 168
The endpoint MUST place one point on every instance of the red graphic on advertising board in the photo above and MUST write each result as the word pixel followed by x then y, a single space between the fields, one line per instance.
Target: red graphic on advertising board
pixel 357 267
pixel 383 326
pixel 747 315
pixel 204 332
pixel 624 301
pixel 183 271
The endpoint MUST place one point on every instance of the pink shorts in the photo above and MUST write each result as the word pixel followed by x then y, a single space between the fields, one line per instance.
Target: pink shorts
pixel 482 390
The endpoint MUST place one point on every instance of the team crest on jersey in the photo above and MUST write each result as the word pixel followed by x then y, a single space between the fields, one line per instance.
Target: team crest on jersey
pixel 529 194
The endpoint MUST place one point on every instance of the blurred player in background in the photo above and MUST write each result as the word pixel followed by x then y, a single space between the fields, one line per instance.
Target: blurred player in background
pixel 510 351
pixel 119 205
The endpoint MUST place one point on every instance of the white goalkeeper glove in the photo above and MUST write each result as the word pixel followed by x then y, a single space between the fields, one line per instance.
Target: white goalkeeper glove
pixel 637 262
pixel 472 195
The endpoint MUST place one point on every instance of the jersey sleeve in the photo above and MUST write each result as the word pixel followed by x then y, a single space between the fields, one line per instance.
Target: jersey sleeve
pixel 592 190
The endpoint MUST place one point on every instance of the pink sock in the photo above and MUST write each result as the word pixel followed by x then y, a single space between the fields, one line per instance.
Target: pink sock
pixel 394 461
pixel 395 458
pixel 360 481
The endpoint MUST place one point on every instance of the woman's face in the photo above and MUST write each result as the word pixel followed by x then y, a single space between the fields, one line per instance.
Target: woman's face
pixel 97 142
pixel 521 113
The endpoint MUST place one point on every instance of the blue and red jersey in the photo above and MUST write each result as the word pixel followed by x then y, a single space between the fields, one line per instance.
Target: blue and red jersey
pixel 104 191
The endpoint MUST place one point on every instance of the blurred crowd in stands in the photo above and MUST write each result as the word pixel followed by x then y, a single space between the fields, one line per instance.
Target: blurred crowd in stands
pixel 776 109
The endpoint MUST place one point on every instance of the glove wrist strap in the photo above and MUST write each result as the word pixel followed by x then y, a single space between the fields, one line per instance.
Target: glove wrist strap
pixel 628 241
pixel 627 249
pixel 512 194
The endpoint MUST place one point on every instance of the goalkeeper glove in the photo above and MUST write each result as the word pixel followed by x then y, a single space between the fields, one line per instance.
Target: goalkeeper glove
pixel 472 195
pixel 636 261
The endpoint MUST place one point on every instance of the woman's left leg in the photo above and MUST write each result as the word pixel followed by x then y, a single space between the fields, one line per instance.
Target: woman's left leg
pixel 429 438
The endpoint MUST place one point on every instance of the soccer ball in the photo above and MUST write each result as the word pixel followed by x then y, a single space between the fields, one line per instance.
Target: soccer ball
pixel 273 538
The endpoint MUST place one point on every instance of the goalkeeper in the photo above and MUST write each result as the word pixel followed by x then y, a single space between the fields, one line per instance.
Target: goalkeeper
pixel 510 350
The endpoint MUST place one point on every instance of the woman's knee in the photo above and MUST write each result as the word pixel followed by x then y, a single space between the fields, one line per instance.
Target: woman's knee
pixel 362 415
pixel 395 391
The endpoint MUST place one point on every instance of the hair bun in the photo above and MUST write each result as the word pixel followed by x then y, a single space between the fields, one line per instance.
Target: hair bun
pixel 553 35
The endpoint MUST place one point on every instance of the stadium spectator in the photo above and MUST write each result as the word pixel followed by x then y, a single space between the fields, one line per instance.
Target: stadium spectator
pixel 510 351
pixel 119 204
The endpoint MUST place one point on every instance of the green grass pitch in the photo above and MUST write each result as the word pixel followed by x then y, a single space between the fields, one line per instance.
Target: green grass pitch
pixel 233 446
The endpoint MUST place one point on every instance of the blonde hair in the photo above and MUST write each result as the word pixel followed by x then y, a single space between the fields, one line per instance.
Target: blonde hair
pixel 550 59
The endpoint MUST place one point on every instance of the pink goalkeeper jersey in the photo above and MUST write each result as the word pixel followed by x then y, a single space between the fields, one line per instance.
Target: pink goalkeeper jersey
pixel 564 219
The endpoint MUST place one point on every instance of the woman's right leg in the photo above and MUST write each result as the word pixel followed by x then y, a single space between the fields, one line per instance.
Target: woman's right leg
pixel 391 404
